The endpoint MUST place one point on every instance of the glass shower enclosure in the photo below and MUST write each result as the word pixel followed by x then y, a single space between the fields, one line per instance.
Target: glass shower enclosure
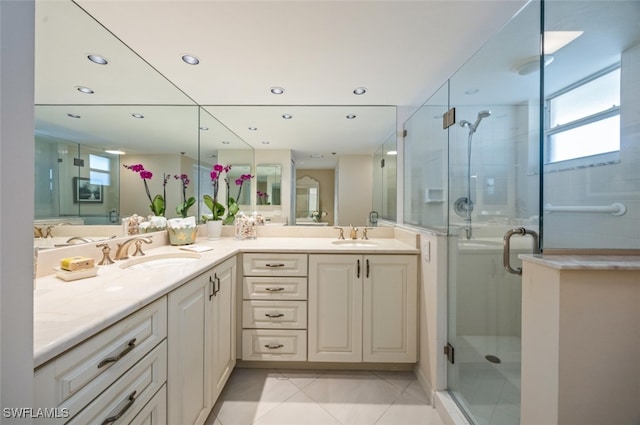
pixel 493 189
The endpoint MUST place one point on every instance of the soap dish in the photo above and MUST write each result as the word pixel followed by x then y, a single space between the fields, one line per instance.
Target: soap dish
pixel 75 275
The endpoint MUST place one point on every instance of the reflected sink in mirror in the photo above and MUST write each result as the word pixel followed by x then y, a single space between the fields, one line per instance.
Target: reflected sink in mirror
pixel 149 262
pixel 351 242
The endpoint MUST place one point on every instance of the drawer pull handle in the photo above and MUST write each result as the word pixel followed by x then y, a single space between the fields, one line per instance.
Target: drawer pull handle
pixel 274 316
pixel 273 346
pixel 274 265
pixel 126 404
pixel 130 346
pixel 274 289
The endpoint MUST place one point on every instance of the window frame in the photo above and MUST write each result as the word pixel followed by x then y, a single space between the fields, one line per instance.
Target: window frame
pixel 602 158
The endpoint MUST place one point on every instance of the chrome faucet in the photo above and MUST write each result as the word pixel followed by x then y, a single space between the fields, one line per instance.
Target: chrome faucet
pixel 353 234
pixel 122 252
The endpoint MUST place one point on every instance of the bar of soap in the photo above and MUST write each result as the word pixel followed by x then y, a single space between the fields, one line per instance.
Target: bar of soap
pixel 76 263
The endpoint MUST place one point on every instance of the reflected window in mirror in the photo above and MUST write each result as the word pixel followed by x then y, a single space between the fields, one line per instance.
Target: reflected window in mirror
pixel 268 184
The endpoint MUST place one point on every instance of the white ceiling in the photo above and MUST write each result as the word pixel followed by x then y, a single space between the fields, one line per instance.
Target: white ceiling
pixel 318 51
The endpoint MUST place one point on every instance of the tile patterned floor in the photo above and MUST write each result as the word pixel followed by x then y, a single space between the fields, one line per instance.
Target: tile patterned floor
pixel 306 397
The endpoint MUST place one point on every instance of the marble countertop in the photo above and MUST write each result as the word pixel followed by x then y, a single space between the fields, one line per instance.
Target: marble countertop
pixel 67 313
pixel 585 262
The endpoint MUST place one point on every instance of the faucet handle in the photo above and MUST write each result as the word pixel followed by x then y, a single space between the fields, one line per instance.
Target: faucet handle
pixel 138 243
pixel 364 233
pixel 106 250
pixel 341 235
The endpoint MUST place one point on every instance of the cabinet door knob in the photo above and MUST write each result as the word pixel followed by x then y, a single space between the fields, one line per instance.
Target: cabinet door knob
pixel 358 270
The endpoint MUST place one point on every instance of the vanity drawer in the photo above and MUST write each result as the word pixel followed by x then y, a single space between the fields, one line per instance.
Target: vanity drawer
pixel 154 412
pixel 274 288
pixel 273 344
pixel 274 264
pixel 79 375
pixel 129 394
pixel 274 314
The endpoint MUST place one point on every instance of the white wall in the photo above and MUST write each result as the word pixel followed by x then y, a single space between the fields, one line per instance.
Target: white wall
pixel 17 22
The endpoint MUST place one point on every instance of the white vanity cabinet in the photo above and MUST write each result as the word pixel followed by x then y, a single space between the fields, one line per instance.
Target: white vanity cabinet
pixel 201 352
pixel 114 374
pixel 362 308
pixel 274 307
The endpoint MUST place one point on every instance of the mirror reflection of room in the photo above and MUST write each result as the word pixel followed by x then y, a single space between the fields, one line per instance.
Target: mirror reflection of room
pixel 315 197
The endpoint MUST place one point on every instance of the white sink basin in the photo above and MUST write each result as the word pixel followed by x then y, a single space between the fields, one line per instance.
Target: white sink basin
pixel 160 260
pixel 351 242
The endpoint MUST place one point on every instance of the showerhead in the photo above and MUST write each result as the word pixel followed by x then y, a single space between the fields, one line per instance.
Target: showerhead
pixel 473 127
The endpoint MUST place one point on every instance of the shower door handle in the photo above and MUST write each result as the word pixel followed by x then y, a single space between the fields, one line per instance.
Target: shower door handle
pixel 506 247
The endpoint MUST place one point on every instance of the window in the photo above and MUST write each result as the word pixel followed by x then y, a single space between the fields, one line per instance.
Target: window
pixel 99 170
pixel 583 122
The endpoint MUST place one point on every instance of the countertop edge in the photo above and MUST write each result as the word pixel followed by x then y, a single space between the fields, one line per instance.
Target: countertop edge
pixel 584 262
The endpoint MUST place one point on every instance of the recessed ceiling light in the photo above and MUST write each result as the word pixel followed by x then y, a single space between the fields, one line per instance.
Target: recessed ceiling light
pixel 351 116
pixel 115 151
pixel 359 91
pixel 276 90
pixel 287 116
pixel 100 60
pixel 265 142
pixel 85 90
pixel 253 128
pixel 190 59
pixel 139 116
pixel 316 156
pixel 225 142
pixel 471 91
pixel 73 116
pixel 204 128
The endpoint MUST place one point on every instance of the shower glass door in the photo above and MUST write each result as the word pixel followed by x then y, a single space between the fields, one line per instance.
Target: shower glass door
pixel 493 187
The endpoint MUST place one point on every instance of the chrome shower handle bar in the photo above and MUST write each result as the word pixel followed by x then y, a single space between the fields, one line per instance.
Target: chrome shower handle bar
pixel 506 247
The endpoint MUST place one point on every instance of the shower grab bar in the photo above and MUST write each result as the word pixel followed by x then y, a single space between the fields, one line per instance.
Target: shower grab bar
pixel 616 208
pixel 506 247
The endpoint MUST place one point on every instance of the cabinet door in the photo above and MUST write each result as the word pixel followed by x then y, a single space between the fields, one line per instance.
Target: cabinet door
pixel 390 308
pixel 188 368
pixel 223 329
pixel 335 308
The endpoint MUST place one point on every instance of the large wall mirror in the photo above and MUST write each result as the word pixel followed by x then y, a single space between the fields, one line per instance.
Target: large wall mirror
pixel 95 114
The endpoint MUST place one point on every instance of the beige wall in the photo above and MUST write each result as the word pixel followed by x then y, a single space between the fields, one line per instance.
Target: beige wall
pixel 355 182
pixel 580 346
pixel 326 179
pixel 133 199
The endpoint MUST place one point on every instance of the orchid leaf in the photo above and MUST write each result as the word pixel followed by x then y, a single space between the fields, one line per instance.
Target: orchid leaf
pixel 157 205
